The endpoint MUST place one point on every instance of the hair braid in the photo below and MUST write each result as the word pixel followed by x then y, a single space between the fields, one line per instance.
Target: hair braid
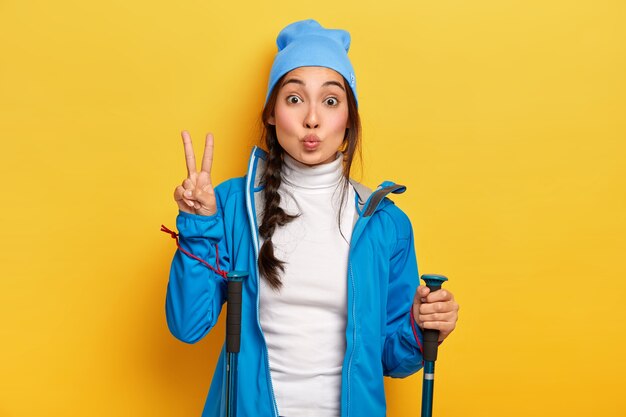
pixel 273 214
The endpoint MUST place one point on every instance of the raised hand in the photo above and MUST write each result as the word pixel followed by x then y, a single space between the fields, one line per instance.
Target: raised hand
pixel 196 194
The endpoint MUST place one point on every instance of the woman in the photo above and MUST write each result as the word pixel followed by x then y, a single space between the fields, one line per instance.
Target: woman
pixel 331 302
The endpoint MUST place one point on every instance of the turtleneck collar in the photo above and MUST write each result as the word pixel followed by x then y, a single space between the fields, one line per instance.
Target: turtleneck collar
pixel 318 177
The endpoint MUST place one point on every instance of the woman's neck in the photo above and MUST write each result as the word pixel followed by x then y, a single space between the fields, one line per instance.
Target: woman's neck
pixel 299 175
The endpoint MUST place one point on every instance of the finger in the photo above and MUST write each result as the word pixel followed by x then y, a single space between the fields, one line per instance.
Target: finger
pixel 180 196
pixel 207 157
pixel 442 326
pixel 444 329
pixel 419 298
pixel 190 158
pixel 438 307
pixel 178 193
pixel 206 199
pixel 439 295
pixel 423 291
pixel 188 184
pixel 448 317
pixel 188 189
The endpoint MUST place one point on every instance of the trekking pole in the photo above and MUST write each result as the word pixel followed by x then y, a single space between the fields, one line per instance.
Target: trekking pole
pixel 233 338
pixel 431 337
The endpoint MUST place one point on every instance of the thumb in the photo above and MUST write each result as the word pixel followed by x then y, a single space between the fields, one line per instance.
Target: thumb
pixel 419 298
pixel 420 294
pixel 206 199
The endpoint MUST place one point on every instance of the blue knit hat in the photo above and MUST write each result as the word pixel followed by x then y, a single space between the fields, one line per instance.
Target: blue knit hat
pixel 307 43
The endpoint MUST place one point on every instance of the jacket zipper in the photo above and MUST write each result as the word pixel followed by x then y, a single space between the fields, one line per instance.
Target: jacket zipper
pixel 353 338
pixel 254 230
pixel 255 241
pixel 267 361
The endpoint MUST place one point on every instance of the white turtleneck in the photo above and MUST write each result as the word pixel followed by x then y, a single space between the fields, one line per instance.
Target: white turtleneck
pixel 304 323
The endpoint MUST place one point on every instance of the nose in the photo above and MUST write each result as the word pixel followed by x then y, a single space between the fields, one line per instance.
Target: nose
pixel 311 120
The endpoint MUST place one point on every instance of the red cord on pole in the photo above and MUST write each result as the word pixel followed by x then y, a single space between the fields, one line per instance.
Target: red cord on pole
pixel 415 330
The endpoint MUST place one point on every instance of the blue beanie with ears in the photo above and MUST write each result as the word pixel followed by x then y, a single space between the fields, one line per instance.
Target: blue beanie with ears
pixel 306 43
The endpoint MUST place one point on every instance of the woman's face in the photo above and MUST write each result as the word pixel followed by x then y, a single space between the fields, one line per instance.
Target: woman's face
pixel 311 114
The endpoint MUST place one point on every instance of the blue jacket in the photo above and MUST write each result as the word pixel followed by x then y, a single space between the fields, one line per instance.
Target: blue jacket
pixel 382 279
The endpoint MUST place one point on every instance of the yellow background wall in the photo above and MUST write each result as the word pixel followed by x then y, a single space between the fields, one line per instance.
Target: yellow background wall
pixel 505 119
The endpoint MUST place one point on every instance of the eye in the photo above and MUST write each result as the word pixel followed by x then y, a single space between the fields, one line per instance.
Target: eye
pixel 293 99
pixel 332 101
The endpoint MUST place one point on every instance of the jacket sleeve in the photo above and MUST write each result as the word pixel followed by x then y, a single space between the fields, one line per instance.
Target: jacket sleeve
pixel 402 355
pixel 195 293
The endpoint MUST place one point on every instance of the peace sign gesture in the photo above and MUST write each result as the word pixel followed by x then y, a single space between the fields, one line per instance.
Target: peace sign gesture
pixel 196 194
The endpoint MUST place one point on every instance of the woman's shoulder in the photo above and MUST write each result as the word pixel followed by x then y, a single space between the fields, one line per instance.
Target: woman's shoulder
pixel 398 218
pixel 390 213
pixel 381 202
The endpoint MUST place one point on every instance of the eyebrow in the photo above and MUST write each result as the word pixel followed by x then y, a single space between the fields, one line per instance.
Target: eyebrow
pixel 300 82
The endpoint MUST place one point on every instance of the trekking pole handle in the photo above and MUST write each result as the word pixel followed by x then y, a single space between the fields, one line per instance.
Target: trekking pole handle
pixel 431 336
pixel 233 311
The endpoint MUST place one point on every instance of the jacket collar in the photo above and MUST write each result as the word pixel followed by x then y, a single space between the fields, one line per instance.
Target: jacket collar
pixel 368 200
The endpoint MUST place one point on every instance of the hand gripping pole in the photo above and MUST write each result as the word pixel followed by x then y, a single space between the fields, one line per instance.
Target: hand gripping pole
pixel 431 342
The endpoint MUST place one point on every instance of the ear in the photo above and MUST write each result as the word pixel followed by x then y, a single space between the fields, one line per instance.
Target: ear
pixel 271 120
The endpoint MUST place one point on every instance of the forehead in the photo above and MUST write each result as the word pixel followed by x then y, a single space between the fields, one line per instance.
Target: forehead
pixel 313 74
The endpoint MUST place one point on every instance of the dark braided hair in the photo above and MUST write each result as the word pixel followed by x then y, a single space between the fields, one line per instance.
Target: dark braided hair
pixel 274 216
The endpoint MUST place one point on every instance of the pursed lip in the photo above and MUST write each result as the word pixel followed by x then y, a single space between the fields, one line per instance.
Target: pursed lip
pixel 311 138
